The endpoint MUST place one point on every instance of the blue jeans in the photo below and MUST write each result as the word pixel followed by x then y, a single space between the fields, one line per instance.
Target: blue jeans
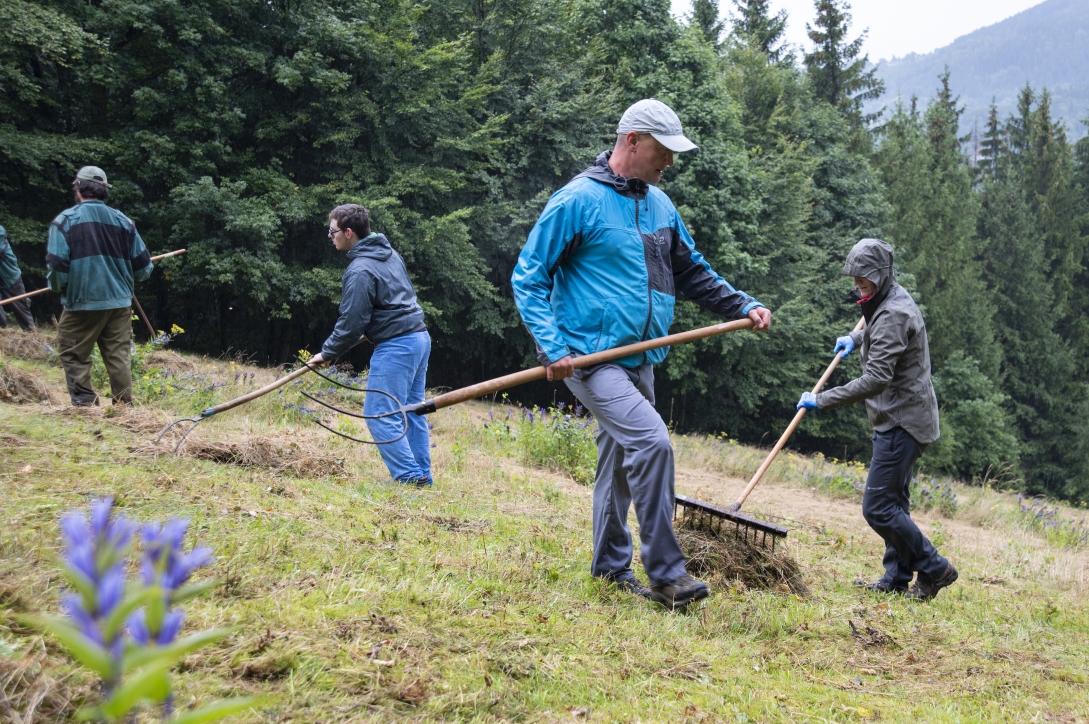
pixel 399 367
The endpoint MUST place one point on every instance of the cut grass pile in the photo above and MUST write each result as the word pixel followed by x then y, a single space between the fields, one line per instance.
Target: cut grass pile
pixel 353 599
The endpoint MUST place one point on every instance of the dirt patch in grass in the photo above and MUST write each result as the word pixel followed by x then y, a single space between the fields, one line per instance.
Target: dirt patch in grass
pixel 19 386
pixel 34 346
pixel 722 555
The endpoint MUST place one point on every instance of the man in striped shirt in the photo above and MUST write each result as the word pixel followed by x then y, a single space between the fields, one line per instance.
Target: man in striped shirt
pixel 95 256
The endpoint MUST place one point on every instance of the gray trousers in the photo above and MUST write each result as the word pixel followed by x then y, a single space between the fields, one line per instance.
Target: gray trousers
pixel 634 465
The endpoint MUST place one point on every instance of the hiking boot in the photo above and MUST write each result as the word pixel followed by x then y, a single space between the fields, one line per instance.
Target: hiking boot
pixel 679 592
pixel 631 585
pixel 881 586
pixel 926 590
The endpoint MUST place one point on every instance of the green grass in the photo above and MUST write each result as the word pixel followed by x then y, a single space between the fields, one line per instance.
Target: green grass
pixel 353 599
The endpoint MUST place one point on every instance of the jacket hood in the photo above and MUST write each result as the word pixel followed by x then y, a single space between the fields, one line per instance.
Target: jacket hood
pixel 871 259
pixel 633 188
pixel 375 246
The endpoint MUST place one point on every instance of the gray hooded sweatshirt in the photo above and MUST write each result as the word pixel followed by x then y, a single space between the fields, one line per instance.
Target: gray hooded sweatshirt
pixel 378 301
pixel 895 381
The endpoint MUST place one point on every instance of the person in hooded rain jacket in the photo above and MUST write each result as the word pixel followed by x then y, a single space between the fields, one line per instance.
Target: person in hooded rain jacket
pixel 903 411
pixel 602 268
pixel 380 303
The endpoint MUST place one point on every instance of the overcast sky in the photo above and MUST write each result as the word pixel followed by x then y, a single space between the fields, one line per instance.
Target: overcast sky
pixel 897 27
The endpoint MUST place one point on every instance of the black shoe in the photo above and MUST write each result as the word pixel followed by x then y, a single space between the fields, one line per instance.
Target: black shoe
pixel 679 592
pixel 631 585
pixel 924 591
pixel 881 586
pixel 417 482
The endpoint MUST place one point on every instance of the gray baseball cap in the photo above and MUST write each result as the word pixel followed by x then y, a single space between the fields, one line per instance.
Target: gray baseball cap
pixel 657 119
pixel 93 173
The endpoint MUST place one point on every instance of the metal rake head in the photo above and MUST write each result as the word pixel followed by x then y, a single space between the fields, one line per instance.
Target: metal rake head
pixel 699 514
pixel 195 420
pixel 399 412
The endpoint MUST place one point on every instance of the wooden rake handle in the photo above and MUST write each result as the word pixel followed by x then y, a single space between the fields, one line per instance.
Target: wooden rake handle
pixel 790 428
pixel 43 290
pixel 538 373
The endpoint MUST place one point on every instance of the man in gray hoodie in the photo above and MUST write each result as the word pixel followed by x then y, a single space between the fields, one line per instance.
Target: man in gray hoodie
pixel 903 411
pixel 379 302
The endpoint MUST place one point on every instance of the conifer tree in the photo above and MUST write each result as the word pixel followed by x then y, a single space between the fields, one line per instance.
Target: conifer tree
pixel 1038 365
pixel 760 30
pixel 993 148
pixel 837 67
pixel 705 17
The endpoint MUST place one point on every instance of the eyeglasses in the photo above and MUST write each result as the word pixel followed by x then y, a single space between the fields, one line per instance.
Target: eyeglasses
pixel 334 232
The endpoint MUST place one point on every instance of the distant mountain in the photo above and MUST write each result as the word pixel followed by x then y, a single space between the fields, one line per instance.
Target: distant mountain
pixel 1047 45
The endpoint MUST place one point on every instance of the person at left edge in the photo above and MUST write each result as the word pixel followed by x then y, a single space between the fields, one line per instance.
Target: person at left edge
pixel 95 256
pixel 379 302
pixel 11 285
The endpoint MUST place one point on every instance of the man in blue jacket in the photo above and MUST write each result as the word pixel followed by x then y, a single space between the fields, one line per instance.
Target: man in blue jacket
pixel 11 285
pixel 601 269
pixel 379 302
pixel 95 256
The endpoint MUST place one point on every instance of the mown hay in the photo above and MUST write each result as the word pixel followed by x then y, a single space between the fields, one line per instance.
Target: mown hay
pixel 284 453
pixel 727 556
pixel 31 693
pixel 170 361
pixel 34 346
pixel 19 386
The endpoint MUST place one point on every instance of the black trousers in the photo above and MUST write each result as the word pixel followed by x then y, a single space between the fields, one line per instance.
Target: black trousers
pixel 21 308
pixel 886 507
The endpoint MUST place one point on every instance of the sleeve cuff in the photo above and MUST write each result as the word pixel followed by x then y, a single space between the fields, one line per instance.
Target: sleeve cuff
pixel 751 306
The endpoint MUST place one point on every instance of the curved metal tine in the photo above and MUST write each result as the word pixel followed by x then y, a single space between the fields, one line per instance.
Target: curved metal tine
pixel 404 432
pixel 337 383
pixel 194 420
pixel 379 416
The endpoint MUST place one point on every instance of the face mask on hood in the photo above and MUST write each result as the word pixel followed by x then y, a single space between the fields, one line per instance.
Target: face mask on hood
pixel 871 259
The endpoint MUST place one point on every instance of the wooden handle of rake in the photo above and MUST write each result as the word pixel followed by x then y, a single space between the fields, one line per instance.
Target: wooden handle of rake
pixel 538 373
pixel 790 428
pixel 43 290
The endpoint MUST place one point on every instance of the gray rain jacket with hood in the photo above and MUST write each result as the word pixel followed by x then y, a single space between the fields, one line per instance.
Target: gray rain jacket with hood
pixel 378 298
pixel 895 381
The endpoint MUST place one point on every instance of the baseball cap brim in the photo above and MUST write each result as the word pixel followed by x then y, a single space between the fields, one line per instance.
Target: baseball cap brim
pixel 676 144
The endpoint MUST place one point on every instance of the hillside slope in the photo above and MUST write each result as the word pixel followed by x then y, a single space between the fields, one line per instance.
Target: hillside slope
pixel 353 599
pixel 1046 45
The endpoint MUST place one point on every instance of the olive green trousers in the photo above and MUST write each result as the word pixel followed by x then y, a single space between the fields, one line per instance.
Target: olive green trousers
pixel 77 334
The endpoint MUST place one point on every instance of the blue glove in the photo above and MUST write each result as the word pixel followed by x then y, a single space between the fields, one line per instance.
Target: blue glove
pixel 808 401
pixel 846 344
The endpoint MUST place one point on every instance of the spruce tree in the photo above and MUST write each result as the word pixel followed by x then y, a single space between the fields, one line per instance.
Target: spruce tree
pixel 705 17
pixel 755 26
pixel 993 148
pixel 837 68
pixel 1038 367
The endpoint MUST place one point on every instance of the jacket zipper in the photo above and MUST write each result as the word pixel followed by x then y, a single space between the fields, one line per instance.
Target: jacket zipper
pixel 650 296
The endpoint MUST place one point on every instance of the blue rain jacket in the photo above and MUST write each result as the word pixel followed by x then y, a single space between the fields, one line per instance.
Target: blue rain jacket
pixel 603 265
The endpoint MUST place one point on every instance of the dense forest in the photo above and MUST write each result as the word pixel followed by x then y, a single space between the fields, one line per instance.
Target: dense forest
pixel 231 128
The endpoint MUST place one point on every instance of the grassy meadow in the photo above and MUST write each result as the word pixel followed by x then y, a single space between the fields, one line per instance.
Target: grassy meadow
pixel 354 599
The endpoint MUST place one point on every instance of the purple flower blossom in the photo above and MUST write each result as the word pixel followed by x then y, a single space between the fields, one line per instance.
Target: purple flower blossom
pixel 95 552
pixel 167 565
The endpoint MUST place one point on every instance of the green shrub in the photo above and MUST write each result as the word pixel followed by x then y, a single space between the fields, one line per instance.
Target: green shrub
pixel 560 438
pixel 935 496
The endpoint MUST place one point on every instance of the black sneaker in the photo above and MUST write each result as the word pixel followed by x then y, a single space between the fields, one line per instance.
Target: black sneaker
pixel 631 585
pixel 417 482
pixel 881 586
pixel 924 591
pixel 679 592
